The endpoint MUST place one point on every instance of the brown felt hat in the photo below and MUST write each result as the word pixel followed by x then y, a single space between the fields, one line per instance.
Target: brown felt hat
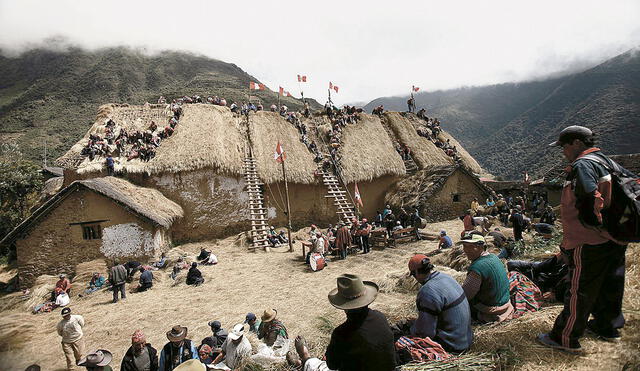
pixel 177 333
pixel 352 292
pixel 100 357
pixel 269 315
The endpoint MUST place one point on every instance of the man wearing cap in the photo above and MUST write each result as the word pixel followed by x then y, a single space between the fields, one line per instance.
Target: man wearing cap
pixel 270 327
pixel 253 322
pixel 178 350
pixel 70 328
pixel 364 341
pixel 140 356
pixel 596 262
pixel 97 360
pixel 445 241
pixel 486 285
pixel 444 314
pixel 118 277
pixel 235 348
pixel 216 339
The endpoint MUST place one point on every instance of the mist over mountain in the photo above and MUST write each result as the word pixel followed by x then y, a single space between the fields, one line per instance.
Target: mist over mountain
pixel 507 127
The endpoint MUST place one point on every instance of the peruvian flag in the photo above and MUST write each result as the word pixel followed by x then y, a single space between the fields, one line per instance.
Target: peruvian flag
pixel 415 88
pixel 334 87
pixel 256 86
pixel 284 93
pixel 302 78
pixel 357 195
pixel 279 156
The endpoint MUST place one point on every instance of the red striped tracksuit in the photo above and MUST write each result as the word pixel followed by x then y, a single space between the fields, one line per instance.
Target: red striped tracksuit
pixel 596 262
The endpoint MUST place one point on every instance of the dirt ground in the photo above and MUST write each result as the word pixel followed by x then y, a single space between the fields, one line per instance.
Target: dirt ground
pixel 253 281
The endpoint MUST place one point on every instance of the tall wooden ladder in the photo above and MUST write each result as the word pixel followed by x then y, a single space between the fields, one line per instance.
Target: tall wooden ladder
pixel 345 209
pixel 258 213
pixel 410 166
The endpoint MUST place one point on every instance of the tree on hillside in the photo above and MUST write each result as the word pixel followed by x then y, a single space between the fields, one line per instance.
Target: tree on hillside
pixel 20 184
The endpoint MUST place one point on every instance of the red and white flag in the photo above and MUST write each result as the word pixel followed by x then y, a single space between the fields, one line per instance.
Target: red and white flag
pixel 356 193
pixel 302 78
pixel 284 93
pixel 415 88
pixel 279 156
pixel 334 87
pixel 256 86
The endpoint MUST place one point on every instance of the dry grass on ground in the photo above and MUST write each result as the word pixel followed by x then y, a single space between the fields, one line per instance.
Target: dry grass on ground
pixel 250 282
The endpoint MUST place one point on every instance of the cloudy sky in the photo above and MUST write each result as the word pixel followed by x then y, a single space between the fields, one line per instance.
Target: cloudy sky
pixel 368 48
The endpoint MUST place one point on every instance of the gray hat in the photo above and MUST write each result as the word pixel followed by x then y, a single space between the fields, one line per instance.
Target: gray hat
pixel 570 133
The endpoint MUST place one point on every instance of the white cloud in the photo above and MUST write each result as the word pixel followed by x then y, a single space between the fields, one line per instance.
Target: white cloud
pixel 368 48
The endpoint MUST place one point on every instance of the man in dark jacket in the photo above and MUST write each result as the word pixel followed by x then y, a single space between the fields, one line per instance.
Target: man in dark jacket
pixel 140 356
pixel 118 278
pixel 365 341
pixel 518 223
pixel 194 276
pixel 146 279
pixel 216 339
pixel 596 261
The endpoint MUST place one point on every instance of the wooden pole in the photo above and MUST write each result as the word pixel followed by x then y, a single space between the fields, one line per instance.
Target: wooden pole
pixel 286 192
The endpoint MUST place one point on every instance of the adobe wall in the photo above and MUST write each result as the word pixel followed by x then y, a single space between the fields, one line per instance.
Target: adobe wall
pixel 215 205
pixel 307 201
pixel 373 194
pixel 53 246
pixel 441 205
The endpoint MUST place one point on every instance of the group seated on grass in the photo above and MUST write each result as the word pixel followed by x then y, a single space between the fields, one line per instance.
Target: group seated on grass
pixel 441 331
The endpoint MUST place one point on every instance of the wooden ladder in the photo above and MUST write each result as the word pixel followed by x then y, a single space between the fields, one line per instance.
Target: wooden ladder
pixel 258 213
pixel 345 209
pixel 410 165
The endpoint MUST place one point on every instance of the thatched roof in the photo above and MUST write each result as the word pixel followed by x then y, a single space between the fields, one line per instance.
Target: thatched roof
pixel 424 152
pixel 147 203
pixel 467 159
pixel 52 171
pixel 367 151
pixel 207 136
pixel 266 129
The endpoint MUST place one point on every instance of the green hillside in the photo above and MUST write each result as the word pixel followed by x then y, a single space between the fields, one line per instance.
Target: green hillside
pixel 52 97
pixel 506 127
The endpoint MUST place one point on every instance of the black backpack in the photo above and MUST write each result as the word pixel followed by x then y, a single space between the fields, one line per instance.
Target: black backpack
pixel 622 217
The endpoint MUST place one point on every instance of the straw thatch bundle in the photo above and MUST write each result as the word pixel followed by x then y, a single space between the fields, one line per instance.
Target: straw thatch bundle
pixel 367 151
pixel 15 330
pixel 84 271
pixel 464 362
pixel 52 186
pixel 415 190
pixel 424 152
pixel 207 136
pixel 41 290
pixel 266 129
pixel 453 257
pixel 145 201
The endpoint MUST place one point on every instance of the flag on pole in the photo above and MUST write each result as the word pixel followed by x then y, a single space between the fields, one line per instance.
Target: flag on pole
pixel 256 86
pixel 356 193
pixel 283 92
pixel 279 156
pixel 330 85
pixel 334 87
pixel 302 78
pixel 415 88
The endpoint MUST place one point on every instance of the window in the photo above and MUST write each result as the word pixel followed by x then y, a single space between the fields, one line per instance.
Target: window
pixel 455 197
pixel 91 232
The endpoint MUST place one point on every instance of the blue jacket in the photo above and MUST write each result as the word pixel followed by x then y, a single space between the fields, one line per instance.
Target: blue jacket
pixel 444 314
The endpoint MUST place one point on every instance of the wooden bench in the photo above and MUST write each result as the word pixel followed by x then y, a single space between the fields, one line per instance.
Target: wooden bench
pixel 403 235
pixel 379 238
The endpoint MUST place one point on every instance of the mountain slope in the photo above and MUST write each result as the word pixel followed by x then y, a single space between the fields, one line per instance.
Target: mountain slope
pixel 53 96
pixel 506 127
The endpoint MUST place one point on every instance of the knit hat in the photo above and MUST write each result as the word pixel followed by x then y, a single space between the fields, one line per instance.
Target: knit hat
pixel 138 337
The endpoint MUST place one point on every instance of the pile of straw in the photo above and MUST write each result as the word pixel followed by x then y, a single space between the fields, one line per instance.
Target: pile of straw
pixel 453 258
pixel 41 290
pixel 470 362
pixel 15 330
pixel 84 272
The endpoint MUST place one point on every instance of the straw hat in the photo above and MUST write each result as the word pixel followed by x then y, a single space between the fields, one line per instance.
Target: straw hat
pixel 191 365
pixel 177 333
pixel 100 357
pixel 352 292
pixel 269 315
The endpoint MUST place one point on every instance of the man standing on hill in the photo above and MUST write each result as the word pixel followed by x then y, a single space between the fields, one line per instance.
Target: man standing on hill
pixel 518 223
pixel 70 328
pixel 596 262
pixel 118 278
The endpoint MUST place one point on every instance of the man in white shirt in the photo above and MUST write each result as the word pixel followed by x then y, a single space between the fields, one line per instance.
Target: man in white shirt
pixel 70 329
pixel 235 348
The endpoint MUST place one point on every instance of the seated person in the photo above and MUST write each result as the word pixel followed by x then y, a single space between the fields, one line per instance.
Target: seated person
pixel 302 360
pixel 550 275
pixel 204 254
pixel 96 283
pixel 132 267
pixel 445 241
pixel 63 285
pixel 235 349
pixel 160 263
pixel 271 328
pixel 282 237
pixel 146 279
pixel 180 265
pixel 215 341
pixel 205 353
pixel 444 314
pixel 486 285
pixel 397 227
pixel 194 276
pixel 546 230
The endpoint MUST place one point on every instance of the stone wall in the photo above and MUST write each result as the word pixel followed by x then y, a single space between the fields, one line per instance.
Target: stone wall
pixel 441 206
pixel 56 245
